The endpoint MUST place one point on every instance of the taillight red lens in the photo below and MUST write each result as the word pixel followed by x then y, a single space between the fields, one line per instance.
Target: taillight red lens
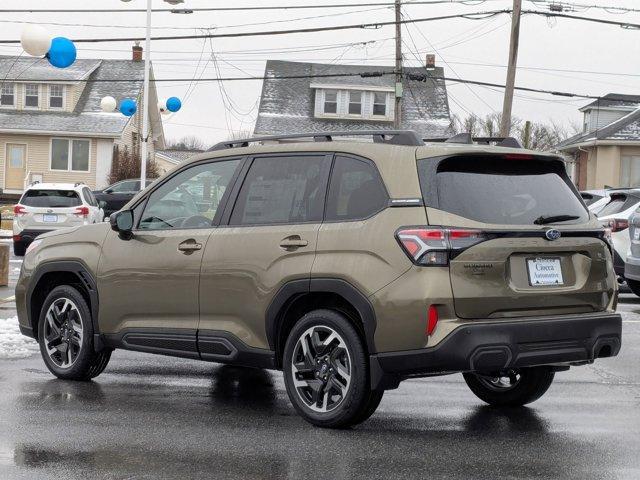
pixel 82 211
pixel 431 246
pixel 432 319
pixel 19 210
pixel 619 224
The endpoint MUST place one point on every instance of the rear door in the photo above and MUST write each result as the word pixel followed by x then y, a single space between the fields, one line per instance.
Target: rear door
pixel 269 239
pixel 519 260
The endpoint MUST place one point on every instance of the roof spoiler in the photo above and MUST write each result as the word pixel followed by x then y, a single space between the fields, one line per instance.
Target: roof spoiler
pixel 391 137
pixel 467 139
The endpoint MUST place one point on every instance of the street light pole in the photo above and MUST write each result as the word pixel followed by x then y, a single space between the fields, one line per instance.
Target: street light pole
pixel 144 147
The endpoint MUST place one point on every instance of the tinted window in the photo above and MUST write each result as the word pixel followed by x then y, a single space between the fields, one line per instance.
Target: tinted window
pixel 282 190
pixel 190 199
pixel 618 203
pixel 356 190
pixel 51 198
pixel 128 186
pixel 501 191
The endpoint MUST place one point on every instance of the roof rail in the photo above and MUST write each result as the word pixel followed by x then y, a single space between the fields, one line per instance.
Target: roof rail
pixel 77 184
pixel 467 139
pixel 392 137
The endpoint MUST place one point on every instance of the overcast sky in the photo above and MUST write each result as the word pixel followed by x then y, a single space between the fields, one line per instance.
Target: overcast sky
pixel 469 49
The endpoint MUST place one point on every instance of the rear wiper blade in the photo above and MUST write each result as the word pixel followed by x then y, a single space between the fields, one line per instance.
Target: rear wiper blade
pixel 545 219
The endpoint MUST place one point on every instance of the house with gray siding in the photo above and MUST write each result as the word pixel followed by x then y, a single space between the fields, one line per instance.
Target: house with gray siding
pixel 316 101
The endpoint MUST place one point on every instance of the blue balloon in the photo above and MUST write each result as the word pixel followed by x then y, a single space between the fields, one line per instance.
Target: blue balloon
pixel 128 107
pixel 62 52
pixel 174 104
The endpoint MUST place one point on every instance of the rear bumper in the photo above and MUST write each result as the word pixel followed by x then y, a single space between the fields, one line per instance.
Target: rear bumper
pixel 632 268
pixel 486 347
pixel 28 236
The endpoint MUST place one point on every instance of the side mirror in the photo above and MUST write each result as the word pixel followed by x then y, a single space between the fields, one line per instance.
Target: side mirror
pixel 102 204
pixel 122 222
pixel 108 190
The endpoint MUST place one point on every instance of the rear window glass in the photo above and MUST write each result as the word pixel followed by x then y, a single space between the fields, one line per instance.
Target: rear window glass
pixel 51 198
pixel 500 191
pixel 590 198
pixel 618 203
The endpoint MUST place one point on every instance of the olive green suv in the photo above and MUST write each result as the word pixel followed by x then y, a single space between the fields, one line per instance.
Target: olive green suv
pixel 350 265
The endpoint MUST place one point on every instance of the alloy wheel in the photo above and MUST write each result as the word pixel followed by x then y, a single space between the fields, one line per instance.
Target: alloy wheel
pixel 502 382
pixel 321 368
pixel 63 332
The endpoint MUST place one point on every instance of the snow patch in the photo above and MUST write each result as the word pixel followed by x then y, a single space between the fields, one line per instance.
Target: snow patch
pixel 12 343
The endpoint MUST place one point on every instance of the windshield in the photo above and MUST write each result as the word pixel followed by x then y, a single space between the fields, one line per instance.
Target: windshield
pixel 503 191
pixel 51 198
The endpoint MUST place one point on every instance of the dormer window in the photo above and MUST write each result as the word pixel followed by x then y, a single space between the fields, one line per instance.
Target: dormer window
pixel 56 96
pixel 7 95
pixel 352 103
pixel 31 95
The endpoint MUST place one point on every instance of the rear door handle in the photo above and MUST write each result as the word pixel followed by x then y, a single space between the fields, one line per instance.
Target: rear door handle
pixel 189 246
pixel 292 242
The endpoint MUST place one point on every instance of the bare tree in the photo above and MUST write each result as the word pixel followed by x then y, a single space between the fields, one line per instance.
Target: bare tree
pixel 189 142
pixel 124 165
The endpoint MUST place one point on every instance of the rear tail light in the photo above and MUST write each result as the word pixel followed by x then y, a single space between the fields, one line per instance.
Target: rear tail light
pixel 19 210
pixel 434 246
pixel 432 319
pixel 618 224
pixel 82 212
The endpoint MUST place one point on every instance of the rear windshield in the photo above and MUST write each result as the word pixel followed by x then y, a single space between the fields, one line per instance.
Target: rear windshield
pixel 500 191
pixel 590 198
pixel 51 198
pixel 618 203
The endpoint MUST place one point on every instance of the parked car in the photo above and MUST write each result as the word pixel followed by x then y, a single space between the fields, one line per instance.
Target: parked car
pixel 632 262
pixel 118 194
pixel 615 216
pixel 351 266
pixel 595 200
pixel 44 207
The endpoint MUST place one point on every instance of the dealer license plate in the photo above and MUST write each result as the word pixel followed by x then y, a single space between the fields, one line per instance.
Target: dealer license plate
pixel 544 271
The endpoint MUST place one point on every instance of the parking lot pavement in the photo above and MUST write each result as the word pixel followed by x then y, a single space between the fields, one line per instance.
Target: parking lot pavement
pixel 151 417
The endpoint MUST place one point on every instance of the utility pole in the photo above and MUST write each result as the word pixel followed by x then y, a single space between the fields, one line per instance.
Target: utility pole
pixel 505 124
pixel 144 146
pixel 398 90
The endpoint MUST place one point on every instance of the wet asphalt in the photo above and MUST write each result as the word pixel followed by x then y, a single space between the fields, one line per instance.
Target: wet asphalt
pixel 153 417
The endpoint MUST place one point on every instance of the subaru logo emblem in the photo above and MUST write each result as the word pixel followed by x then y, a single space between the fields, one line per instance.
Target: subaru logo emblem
pixel 552 234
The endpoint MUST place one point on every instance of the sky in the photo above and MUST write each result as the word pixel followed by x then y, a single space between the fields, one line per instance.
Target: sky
pixel 552 51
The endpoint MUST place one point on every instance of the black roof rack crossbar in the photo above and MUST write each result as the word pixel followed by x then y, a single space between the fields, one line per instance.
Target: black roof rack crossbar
pixel 392 137
pixel 467 139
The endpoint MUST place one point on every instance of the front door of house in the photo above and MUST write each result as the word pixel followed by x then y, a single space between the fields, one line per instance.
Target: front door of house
pixel 15 166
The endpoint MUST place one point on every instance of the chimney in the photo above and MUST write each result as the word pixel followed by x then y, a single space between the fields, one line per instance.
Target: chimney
pixel 431 60
pixel 136 51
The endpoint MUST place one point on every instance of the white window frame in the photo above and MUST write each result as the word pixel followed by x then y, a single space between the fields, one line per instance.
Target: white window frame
pixel 24 96
pixel 15 94
pixel 64 96
pixel 70 157
pixel 324 102
pixel 343 97
pixel 386 105
pixel 362 103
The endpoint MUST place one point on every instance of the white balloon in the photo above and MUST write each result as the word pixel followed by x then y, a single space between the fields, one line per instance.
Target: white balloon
pixel 35 40
pixel 162 107
pixel 108 104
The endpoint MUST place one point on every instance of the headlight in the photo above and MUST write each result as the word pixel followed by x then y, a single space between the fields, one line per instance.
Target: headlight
pixel 32 246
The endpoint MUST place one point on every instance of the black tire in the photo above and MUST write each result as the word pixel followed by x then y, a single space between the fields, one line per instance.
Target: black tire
pixel 357 403
pixel 634 286
pixel 532 384
pixel 370 406
pixel 88 363
pixel 19 249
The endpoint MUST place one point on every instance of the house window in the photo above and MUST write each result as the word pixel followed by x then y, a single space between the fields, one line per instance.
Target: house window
pixel 380 104
pixel 331 101
pixel 70 155
pixel 56 96
pixel 31 95
pixel 630 171
pixel 7 95
pixel 355 102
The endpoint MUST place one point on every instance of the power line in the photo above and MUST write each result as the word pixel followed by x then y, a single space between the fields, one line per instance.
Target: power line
pixel 375 25
pixel 241 9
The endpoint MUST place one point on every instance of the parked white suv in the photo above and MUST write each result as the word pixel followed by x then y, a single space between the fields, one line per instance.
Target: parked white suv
pixel 50 206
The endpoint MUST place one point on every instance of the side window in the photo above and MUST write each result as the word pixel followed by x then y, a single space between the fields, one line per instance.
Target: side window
pixel 89 198
pixel 124 187
pixel 283 189
pixel 356 190
pixel 190 199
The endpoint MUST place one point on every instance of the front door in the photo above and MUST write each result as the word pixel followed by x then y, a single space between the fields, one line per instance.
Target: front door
pixel 269 239
pixel 15 166
pixel 149 284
